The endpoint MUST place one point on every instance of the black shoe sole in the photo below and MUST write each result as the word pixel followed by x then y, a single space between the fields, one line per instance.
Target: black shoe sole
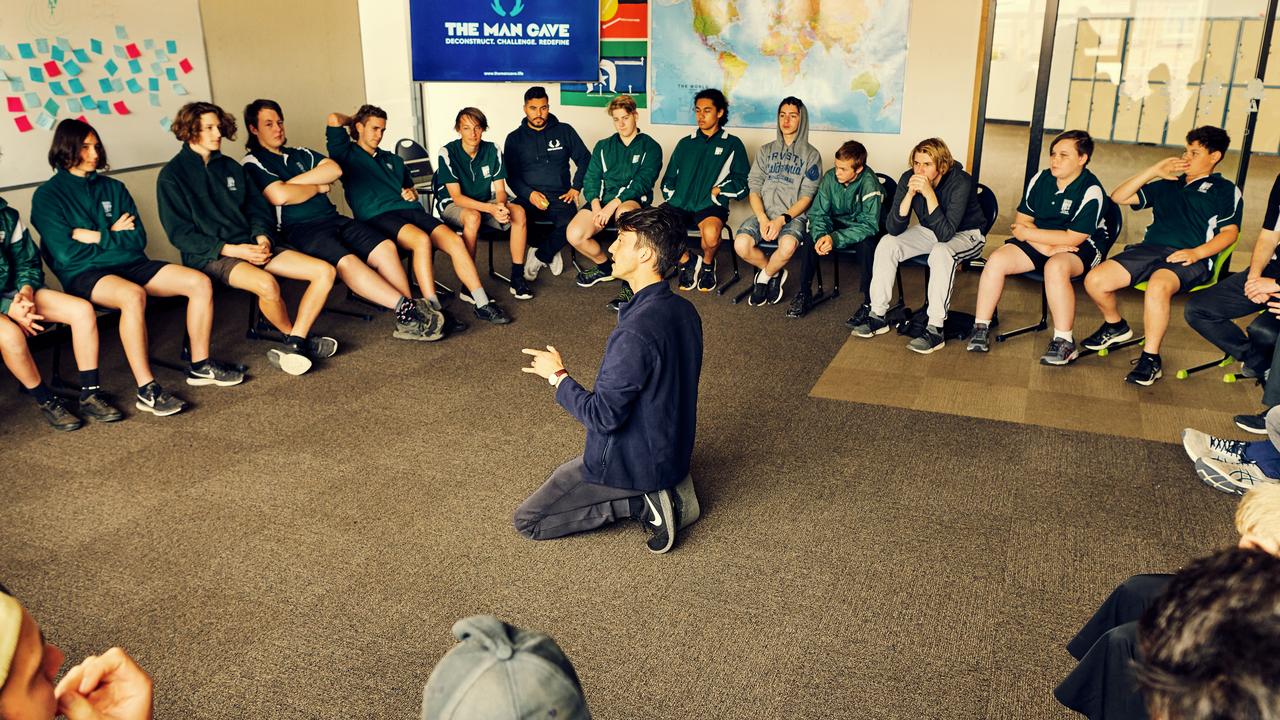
pixel 1144 382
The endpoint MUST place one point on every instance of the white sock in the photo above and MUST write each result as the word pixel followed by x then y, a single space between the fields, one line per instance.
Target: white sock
pixel 1063 335
pixel 763 277
pixel 480 296
pixel 982 321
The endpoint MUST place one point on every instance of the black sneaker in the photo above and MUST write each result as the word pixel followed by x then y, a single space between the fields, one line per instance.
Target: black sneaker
pixel 214 373
pixel 156 400
pixel 1108 335
pixel 288 359
pixel 1146 372
pixel 775 287
pixel 871 326
pixel 519 288
pixel 689 271
pixel 594 276
pixel 60 417
pixel 800 305
pixel 980 339
pixel 452 325
pixel 859 317
pixel 624 295
pixel 659 519
pixel 759 293
pixel 492 313
pixel 707 277
pixel 1256 424
pixel 929 341
pixel 97 408
pixel 321 347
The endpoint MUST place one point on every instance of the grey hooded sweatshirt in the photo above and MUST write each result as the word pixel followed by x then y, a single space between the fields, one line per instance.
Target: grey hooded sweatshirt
pixel 783 174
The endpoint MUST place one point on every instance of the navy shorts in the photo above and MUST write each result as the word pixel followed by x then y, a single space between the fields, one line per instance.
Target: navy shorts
pixel 1141 262
pixel 1086 251
pixel 333 238
pixel 389 223
pixel 139 273
pixel 692 218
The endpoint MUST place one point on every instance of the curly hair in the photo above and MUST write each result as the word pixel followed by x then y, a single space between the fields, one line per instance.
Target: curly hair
pixel 186 124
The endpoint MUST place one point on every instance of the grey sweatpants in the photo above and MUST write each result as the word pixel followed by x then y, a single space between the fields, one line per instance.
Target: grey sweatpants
pixel 567 504
pixel 919 240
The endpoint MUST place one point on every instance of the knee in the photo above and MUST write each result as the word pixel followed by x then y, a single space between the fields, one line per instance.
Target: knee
pixel 1058 269
pixel 742 245
pixel 200 287
pixel 11 338
pixel 325 274
pixel 133 300
pixel 940 258
pixel 1095 283
pixel 518 218
pixel 267 288
pixel 470 220
pixel 81 316
pixel 787 246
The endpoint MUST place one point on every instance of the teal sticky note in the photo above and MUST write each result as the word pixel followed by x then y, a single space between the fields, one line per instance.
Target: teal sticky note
pixel 42 46
pixel 170 46
pixel 155 99
pixel 165 122
pixel 117 85
pixel 73 105
pixel 45 120
pixel 3 76
pixel 162 56
pixel 156 69
pixel 57 53
pixel 104 107
pixel 31 99
pixel 75 85
pixel 16 84
pixel 71 67
pixel 63 43
pixel 153 84
pixel 180 89
pixel 81 55
pixel 104 84
pixel 171 74
pixel 4 53
pixel 135 67
pixel 88 102
pixel 26 52
pixel 149 43
pixel 95 46
pixel 52 107
pixel 120 53
pixel 55 87
pixel 121 33
pixel 111 67
pixel 134 86
pixel 37 75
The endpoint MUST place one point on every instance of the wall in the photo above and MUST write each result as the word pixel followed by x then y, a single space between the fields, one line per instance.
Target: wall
pixel 942 53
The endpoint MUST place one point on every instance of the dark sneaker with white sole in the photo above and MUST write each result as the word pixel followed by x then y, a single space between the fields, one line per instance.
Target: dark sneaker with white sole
pixel 689 271
pixel 1108 335
pixel 214 373
pixel 871 326
pixel 859 316
pixel 1060 352
pixel 156 400
pixel 707 277
pixel 776 284
pixel 800 305
pixel 493 314
pixel 289 360
pixel 624 295
pixel 1146 370
pixel 520 289
pixel 592 277
pixel 1256 424
pixel 659 519
pixel 321 347
pixel 980 339
pixel 452 325
pixel 929 341
pixel 96 407
pixel 759 293
pixel 59 415
pixel 1231 478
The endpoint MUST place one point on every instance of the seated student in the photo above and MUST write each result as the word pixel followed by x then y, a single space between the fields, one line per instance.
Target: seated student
pixel 109 686
pixel 620 178
pixel 538 155
pixel 1053 233
pixel 944 199
pixel 224 229
pixel 1211 311
pixel 470 189
pixel 1208 646
pixel 1236 466
pixel 1102 685
pixel 381 195
pixel 782 183
pixel 94 242
pixel 1191 203
pixel 24 304
pixel 1264 334
pixel 708 169
pixel 845 214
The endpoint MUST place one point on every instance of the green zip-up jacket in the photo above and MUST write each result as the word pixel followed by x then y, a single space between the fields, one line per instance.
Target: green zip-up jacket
pixel 93 202
pixel 625 172
pixel 848 213
pixel 372 183
pixel 701 163
pixel 19 257
pixel 204 206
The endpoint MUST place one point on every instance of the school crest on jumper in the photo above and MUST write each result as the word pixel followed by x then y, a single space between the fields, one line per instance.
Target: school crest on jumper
pixel 1204 187
pixel 485 171
pixel 554 145
pixel 231 184
pixel 1066 206
pixel 106 208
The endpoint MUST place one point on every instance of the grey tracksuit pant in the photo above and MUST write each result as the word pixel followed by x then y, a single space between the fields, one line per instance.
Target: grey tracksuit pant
pixel 918 240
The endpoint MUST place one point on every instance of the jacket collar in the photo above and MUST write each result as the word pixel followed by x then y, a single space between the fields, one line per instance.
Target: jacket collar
pixel 191 156
pixel 656 290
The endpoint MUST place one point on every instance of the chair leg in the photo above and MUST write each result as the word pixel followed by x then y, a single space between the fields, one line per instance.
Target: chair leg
pixel 59 384
pixel 733 256
pixel 1043 324
pixel 493 271
pixel 1223 361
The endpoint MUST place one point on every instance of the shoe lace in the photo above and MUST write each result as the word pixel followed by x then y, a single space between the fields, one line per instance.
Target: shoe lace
pixel 1223 445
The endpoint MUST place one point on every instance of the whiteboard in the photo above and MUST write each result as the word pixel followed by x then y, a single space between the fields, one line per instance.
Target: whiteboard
pixel 124 66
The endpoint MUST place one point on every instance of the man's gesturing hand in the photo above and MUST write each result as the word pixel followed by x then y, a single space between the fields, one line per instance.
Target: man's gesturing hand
pixel 109 686
pixel 545 363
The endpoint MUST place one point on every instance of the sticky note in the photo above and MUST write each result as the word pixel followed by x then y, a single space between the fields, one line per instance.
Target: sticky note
pixel 104 84
pixel 16 84
pixel 117 85
pixel 37 75
pixel 44 120
pixel 95 46
pixel 51 69
pixel 24 125
pixel 104 107
pixel 75 86
pixel 153 84
pixel 180 89
pixel 154 99
pixel 162 56
pixel 185 64
pixel 15 103
pixel 32 100
pixel 120 53
pixel 165 122
pixel 63 43
pixel 73 105
pixel 121 108
pixel 135 67
pixel 42 46
pixel 25 51
pixel 171 74
pixel 156 69
pixel 170 46
pixel 88 102
pixel 4 53
pixel 134 86
pixel 55 87
pixel 3 77
pixel 52 107
pixel 111 67
pixel 121 33
pixel 132 50
pixel 57 53
pixel 149 43
pixel 81 55
pixel 71 67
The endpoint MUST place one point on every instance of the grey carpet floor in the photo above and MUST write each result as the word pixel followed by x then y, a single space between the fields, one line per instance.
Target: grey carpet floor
pixel 299 547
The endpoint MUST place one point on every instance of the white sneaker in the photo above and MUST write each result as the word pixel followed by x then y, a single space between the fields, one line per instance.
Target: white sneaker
pixel 557 264
pixel 1233 478
pixel 1203 445
pixel 532 265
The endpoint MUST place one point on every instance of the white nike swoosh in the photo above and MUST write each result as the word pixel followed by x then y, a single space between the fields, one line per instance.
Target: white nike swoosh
pixel 657 521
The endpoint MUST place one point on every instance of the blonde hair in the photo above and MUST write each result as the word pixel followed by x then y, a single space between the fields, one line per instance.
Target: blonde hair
pixel 622 102
pixel 935 149
pixel 1259 512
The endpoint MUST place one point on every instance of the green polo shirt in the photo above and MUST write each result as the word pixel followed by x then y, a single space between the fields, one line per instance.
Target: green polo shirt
pixel 265 167
pixel 1076 207
pixel 372 183
pixel 1188 215
pixel 475 175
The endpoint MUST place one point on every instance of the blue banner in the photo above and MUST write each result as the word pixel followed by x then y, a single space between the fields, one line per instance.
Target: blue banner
pixel 505 40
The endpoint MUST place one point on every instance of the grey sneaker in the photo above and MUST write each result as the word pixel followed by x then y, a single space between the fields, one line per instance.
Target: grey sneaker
pixel 156 400
pixel 557 264
pixel 491 313
pixel 870 326
pixel 594 276
pixel 980 340
pixel 532 265
pixel 59 415
pixel 1232 478
pixel 422 328
pixel 289 360
pixel 1060 352
pixel 214 373
pixel 1203 445
pixel 686 500
pixel 930 341
pixel 96 407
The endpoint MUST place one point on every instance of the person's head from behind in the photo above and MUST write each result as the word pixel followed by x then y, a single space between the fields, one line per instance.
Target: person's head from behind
pixel 77 148
pixel 932 159
pixel 789 116
pixel 537 107
pixel 1258 519
pixel 203 126
pixel 368 125
pixel 501 671
pixel 28 665
pixel 851 158
pixel 649 243
pixel 1206 146
pixel 470 125
pixel 265 121
pixel 1209 647
pixel 622 110
pixel 1069 153
pixel 710 110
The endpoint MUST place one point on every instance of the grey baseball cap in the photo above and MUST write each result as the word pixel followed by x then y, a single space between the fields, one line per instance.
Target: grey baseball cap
pixel 500 672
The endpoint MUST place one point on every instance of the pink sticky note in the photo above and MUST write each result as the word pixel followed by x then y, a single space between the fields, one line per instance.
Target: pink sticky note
pixel 15 104
pixel 185 65
pixel 24 125
pixel 121 108
pixel 132 50
pixel 51 69
pixel 81 119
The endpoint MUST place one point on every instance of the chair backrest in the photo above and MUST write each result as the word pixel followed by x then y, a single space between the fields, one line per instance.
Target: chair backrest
pixel 416 159
pixel 890 188
pixel 990 208
pixel 1112 224
pixel 1220 262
